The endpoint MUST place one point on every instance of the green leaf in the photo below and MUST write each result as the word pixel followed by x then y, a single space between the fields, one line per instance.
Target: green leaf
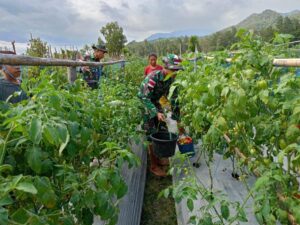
pixel 122 190
pixel 26 187
pixel 242 215
pixel 266 209
pixel 225 210
pixel 21 141
pixel 85 135
pixel 55 101
pixel 62 132
pixel 6 200
pixel 87 217
pixel 73 129
pixel 261 182
pixel 192 220
pixel 264 96
pixel 35 130
pixel 50 133
pixel 67 221
pixel 190 204
pixel 45 194
pixel 207 220
pixel 296 110
pixel 278 178
pixel 6 167
pixel 171 91
pixel 34 159
pixel 47 166
pixel 108 212
pixel 89 198
pixel 166 192
pixel 3 216
pixel 259 217
pixel 49 199
pixel 15 181
pixel 225 91
pixel 292 134
pixel 20 216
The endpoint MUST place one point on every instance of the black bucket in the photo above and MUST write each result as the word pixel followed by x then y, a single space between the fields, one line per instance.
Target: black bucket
pixel 164 144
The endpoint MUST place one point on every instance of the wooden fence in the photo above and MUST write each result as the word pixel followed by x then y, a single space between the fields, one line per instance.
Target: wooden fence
pixel 6 59
pixel 292 62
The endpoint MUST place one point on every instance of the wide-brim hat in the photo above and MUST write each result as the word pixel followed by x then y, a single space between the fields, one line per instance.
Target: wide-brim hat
pixel 100 47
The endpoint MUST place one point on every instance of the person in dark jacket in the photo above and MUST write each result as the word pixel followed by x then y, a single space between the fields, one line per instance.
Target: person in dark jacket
pixel 10 89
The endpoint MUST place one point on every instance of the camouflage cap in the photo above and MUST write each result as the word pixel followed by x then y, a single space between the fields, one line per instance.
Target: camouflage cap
pixel 172 62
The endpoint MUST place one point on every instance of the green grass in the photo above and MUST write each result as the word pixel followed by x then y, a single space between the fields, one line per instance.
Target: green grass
pixel 157 211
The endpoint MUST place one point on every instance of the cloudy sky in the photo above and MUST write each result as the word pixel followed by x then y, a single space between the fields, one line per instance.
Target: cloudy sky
pixel 77 22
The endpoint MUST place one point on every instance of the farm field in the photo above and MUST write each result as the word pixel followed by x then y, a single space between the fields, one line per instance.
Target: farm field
pixel 63 150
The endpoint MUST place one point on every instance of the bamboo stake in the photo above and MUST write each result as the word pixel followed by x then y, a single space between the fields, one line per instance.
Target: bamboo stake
pixel 287 62
pixel 293 62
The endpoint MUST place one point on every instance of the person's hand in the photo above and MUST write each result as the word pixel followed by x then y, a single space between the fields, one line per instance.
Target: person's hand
pixel 86 69
pixel 161 117
pixel 181 129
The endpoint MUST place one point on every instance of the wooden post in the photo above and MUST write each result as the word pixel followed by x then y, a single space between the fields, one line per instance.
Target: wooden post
pixel 14 47
pixel 180 51
pixel 123 67
pixel 72 74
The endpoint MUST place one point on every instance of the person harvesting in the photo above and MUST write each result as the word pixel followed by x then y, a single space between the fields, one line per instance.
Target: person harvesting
pixel 155 85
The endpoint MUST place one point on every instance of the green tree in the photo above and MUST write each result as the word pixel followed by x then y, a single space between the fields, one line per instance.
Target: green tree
pixel 115 39
pixel 287 26
pixel 37 47
pixel 100 41
pixel 279 24
pixel 193 42
pixel 267 34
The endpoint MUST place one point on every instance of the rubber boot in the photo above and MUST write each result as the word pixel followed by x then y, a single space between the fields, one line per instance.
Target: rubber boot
pixel 154 168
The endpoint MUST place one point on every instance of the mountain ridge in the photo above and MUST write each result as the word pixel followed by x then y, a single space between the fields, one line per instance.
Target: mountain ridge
pixel 258 21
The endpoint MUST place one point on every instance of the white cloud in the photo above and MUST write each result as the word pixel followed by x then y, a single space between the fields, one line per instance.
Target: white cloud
pixel 76 22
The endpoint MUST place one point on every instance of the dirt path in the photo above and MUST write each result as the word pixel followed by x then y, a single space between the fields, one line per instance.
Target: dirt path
pixel 157 211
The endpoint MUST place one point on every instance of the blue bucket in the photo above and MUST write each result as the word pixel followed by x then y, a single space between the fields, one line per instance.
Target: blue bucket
pixel 187 149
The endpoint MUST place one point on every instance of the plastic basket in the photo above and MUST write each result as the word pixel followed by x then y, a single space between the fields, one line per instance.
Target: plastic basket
pixel 187 149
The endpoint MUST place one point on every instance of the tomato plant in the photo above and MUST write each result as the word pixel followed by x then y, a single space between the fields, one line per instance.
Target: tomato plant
pixel 257 107
pixel 47 144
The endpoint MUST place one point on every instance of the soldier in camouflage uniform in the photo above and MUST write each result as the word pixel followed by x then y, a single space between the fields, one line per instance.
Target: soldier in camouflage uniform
pixel 153 87
pixel 92 74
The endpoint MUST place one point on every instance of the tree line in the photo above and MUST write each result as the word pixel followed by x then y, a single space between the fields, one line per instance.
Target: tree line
pixel 115 40
pixel 218 41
